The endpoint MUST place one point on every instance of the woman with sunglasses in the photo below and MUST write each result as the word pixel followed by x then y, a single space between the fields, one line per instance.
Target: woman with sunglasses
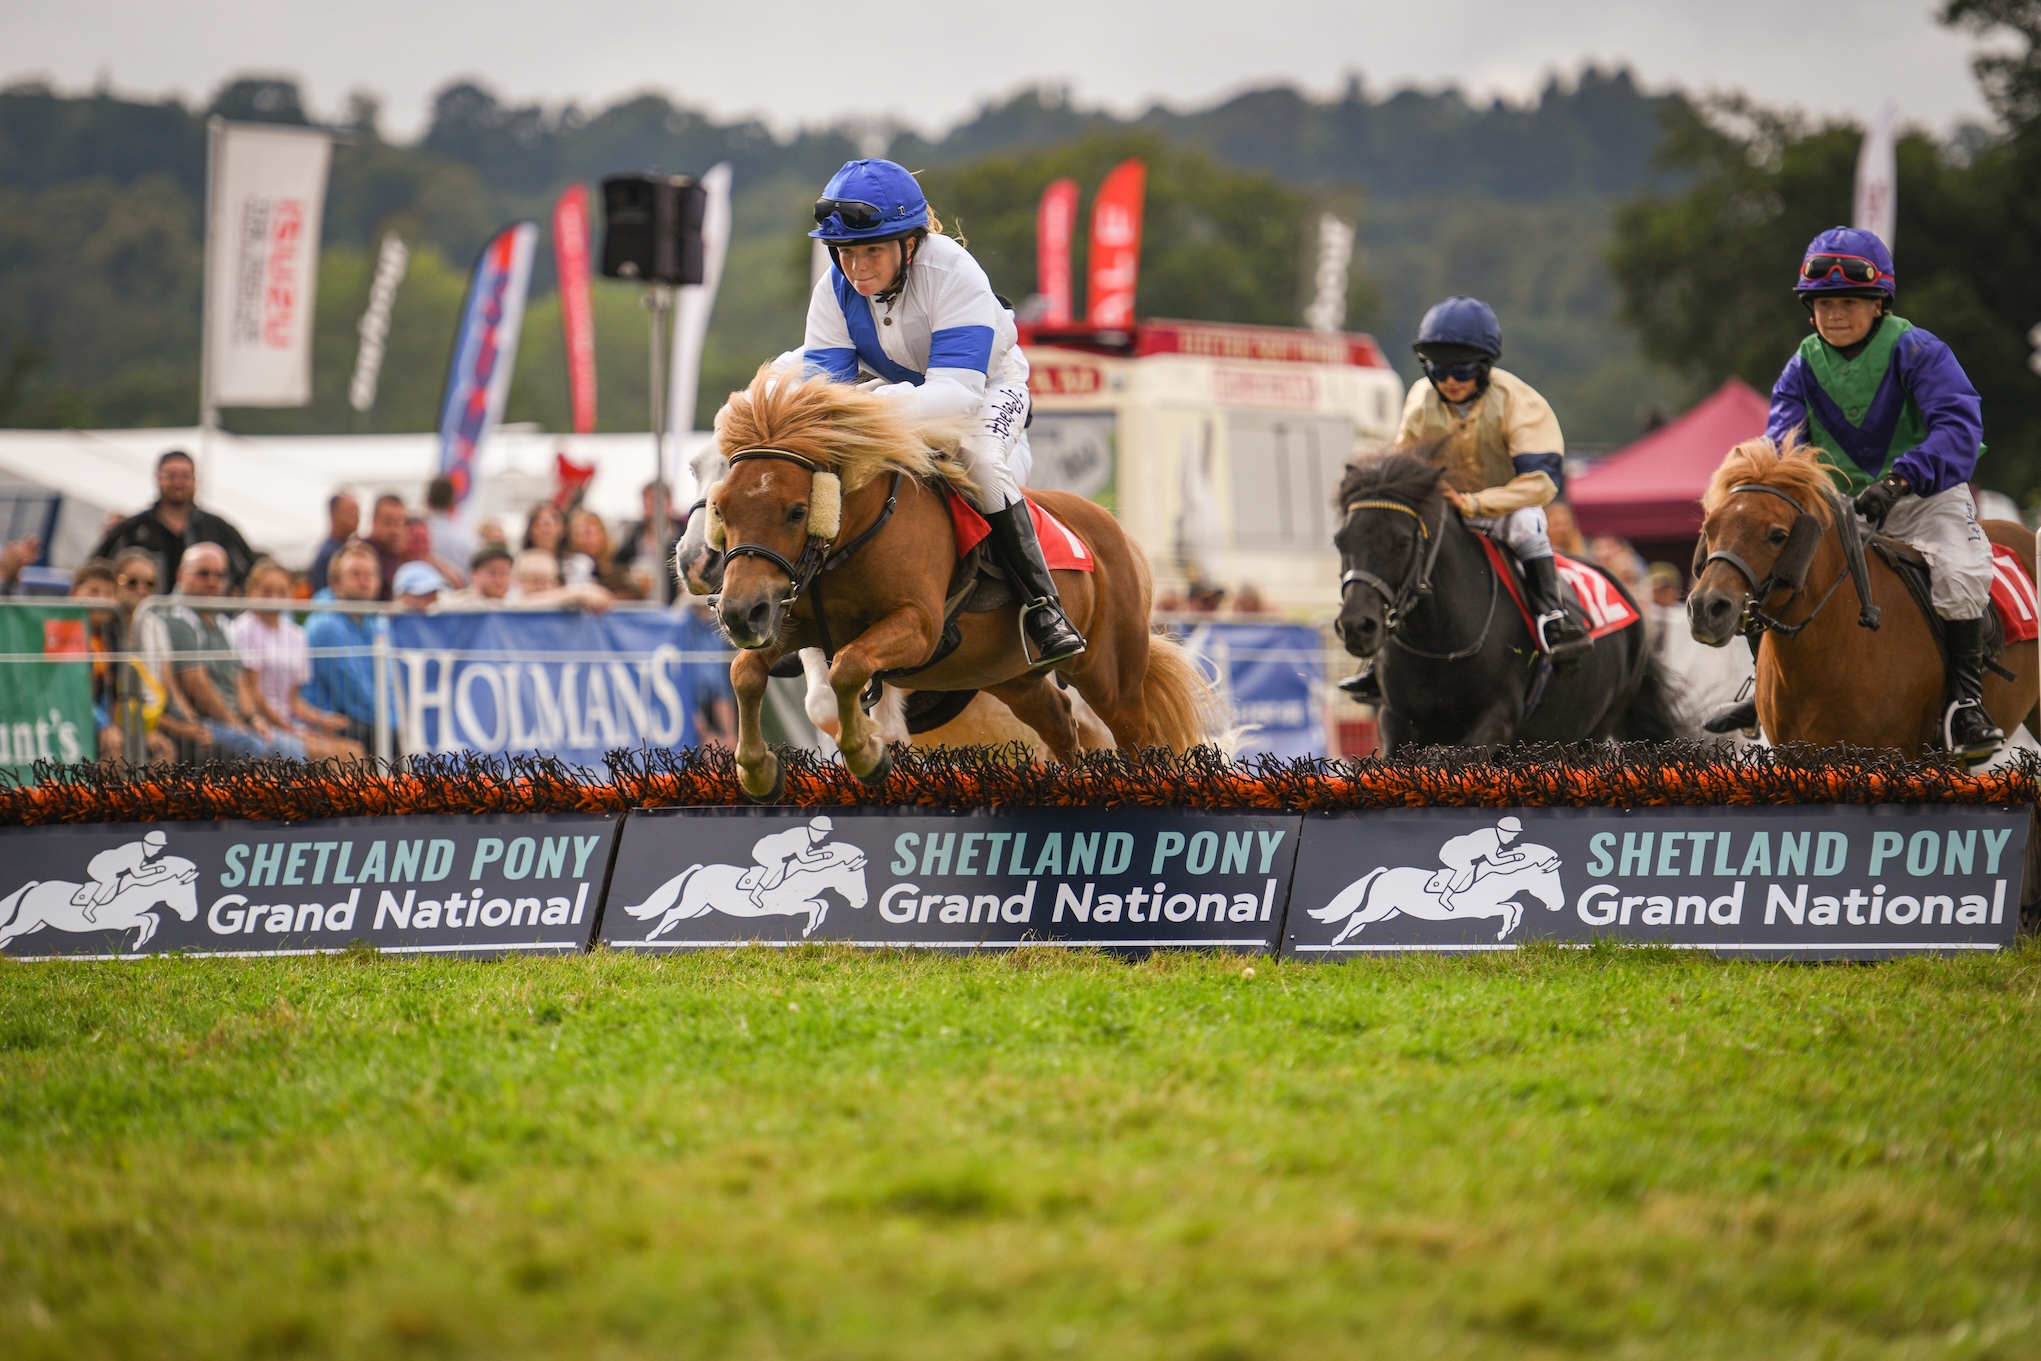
pixel 908 311
pixel 1502 449
pixel 1888 408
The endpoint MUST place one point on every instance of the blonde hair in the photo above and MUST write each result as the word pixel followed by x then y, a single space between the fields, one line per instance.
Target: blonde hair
pixel 1793 467
pixel 855 434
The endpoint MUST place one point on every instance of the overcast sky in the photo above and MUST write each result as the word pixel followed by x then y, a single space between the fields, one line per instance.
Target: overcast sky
pixel 930 65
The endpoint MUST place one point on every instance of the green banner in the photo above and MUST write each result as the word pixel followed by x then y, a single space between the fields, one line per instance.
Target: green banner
pixel 45 703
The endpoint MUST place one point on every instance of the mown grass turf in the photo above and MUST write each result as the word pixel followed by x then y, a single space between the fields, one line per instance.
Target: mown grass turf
pixel 829 1154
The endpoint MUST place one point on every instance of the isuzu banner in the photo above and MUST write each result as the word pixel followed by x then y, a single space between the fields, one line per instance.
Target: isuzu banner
pixel 485 352
pixel 570 685
pixel 1116 244
pixel 1127 879
pixel 267 196
pixel 427 885
pixel 1055 225
pixel 1831 882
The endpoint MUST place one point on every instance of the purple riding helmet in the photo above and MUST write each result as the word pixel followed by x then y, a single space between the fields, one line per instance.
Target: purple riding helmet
pixel 1846 262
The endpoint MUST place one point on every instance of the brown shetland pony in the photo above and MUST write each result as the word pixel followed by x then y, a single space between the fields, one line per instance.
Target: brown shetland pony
pixel 1834 681
pixel 884 603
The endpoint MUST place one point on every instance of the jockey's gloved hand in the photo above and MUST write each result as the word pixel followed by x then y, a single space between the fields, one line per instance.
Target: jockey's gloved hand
pixel 1876 501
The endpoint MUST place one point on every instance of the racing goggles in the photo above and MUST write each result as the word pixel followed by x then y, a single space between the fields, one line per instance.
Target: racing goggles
pixel 1468 372
pixel 855 214
pixel 1854 269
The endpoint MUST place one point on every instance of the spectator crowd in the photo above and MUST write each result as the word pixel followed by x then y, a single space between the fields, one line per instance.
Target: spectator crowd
pixel 243 681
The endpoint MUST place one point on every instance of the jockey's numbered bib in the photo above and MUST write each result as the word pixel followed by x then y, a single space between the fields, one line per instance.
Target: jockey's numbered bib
pixel 1604 606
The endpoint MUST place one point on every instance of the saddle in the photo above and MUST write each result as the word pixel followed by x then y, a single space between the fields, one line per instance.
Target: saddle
pixel 1908 564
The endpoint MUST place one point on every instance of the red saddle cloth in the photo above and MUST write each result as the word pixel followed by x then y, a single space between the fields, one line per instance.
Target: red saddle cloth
pixel 1602 606
pixel 2012 595
pixel 1061 549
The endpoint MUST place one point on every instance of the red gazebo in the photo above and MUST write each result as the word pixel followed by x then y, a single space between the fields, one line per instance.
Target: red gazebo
pixel 1649 492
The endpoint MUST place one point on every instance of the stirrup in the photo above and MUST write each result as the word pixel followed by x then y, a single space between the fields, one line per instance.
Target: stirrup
pixel 1981 746
pixel 1363 686
pixel 1055 650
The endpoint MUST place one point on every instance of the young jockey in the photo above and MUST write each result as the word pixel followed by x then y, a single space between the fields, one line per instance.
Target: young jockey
pixel 1503 448
pixel 908 310
pixel 1891 410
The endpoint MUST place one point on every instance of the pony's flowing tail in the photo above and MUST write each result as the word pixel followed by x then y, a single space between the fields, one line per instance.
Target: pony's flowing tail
pixel 663 897
pixel 1184 710
pixel 1654 712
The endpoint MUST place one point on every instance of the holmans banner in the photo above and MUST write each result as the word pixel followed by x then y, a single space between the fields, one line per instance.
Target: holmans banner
pixel 477 885
pixel 573 685
pixel 1793 882
pixel 45 705
pixel 1128 879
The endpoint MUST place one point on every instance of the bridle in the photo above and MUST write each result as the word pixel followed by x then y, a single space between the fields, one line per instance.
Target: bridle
pixel 816 557
pixel 1416 585
pixel 1790 567
pixel 1417 572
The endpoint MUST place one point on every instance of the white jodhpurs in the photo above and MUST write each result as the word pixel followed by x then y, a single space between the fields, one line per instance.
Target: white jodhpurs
pixel 997 451
pixel 1944 528
pixel 1523 530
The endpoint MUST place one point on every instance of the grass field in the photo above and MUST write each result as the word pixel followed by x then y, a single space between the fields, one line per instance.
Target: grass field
pixel 827 1154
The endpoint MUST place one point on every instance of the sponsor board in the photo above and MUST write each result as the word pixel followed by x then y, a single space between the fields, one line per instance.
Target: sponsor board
pixel 473 885
pixel 1129 879
pixel 1844 882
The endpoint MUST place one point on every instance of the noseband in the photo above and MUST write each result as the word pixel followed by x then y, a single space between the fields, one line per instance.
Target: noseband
pixel 814 552
pixel 1417 573
pixel 1789 568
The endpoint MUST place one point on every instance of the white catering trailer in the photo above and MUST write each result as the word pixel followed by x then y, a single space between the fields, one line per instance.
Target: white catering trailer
pixel 1218 446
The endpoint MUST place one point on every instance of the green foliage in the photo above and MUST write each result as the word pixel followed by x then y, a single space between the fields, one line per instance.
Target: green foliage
pixel 1706 274
pixel 820 1153
pixel 1219 244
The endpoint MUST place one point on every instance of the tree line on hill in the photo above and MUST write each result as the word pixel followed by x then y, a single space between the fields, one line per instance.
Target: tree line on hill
pixel 1636 245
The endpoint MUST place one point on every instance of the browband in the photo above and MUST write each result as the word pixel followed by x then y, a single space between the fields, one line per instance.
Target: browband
pixel 1352 506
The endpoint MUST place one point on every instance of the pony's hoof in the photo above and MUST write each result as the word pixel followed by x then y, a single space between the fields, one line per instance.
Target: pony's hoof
pixel 876 776
pixel 773 795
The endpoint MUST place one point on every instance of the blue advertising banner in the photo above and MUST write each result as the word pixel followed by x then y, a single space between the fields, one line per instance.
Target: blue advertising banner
pixel 1272 677
pixel 571 685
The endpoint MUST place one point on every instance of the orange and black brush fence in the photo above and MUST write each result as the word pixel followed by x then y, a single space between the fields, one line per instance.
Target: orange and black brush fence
pixel 1587 775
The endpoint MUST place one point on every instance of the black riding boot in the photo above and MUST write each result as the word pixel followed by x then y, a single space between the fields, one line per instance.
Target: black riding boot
pixel 1967 729
pixel 1560 636
pixel 1362 686
pixel 1047 631
pixel 1741 716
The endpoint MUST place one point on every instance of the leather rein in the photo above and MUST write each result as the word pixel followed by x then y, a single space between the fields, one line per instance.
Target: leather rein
pixel 1789 569
pixel 1416 585
pixel 805 573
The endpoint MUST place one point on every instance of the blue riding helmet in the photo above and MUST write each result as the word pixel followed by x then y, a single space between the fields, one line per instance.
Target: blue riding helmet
pixel 1846 262
pixel 869 201
pixel 1466 323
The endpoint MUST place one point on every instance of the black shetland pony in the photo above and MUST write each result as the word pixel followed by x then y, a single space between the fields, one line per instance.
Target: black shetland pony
pixel 1455 661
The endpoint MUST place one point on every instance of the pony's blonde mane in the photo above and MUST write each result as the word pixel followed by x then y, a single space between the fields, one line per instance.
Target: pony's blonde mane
pixel 855 434
pixel 1794 468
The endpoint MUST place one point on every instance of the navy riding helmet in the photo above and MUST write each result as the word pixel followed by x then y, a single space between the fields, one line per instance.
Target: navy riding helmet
pixel 1463 323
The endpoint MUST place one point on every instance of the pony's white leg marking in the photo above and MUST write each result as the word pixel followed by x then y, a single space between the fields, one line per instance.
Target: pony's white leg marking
pixel 820 701
pixel 891 716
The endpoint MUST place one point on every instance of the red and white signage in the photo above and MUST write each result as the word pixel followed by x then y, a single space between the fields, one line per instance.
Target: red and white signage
pixel 1055 225
pixel 2012 595
pixel 1116 245
pixel 1053 379
pixel 262 262
pixel 577 317
pixel 1280 344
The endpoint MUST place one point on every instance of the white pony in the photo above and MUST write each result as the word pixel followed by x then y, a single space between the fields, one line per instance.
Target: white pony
pixel 701 889
pixel 1406 890
pixel 47 902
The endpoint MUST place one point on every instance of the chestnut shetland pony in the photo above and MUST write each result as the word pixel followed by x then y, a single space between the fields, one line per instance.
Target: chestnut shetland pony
pixel 1822 677
pixel 808 452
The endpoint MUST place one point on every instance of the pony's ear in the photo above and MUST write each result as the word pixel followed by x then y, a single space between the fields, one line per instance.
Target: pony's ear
pixel 825 506
pixel 713 535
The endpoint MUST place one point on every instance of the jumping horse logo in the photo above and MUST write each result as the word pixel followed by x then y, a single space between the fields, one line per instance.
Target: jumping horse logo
pixel 1482 874
pixel 125 890
pixel 793 871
